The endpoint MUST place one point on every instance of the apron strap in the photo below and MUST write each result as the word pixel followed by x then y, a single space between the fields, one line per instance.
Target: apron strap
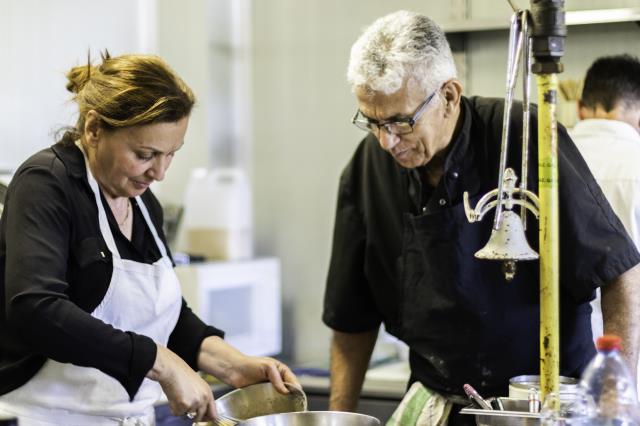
pixel 152 228
pixel 102 215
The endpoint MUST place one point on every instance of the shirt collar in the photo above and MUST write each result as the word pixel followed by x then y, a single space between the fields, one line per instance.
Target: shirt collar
pixel 460 142
pixel 593 126
pixel 461 168
pixel 72 159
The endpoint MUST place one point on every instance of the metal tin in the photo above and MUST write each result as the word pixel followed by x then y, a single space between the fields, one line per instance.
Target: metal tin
pixel 519 386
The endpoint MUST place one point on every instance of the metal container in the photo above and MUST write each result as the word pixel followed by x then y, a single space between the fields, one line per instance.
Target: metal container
pixel 259 400
pixel 313 418
pixel 516 413
pixel 519 386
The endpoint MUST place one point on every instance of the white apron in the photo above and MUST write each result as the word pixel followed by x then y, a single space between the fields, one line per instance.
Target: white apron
pixel 141 298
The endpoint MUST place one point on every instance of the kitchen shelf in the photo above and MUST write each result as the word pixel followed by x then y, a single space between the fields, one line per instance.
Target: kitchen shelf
pixel 572 17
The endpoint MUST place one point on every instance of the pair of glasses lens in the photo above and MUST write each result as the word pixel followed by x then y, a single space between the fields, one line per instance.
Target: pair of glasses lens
pixel 394 128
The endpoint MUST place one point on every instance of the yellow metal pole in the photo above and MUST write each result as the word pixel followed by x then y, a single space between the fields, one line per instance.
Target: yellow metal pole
pixel 549 226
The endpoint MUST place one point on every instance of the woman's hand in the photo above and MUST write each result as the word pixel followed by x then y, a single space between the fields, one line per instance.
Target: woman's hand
pixel 252 370
pixel 221 360
pixel 186 391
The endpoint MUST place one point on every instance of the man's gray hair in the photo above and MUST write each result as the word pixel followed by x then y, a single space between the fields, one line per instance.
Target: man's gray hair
pixel 399 47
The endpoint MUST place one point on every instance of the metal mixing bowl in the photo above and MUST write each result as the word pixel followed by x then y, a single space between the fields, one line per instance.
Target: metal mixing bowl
pixel 259 400
pixel 313 418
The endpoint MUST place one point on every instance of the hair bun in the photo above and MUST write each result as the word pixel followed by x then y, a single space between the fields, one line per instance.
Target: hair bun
pixel 78 77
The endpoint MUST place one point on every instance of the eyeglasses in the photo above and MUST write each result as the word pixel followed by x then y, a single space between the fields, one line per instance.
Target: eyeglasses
pixel 396 127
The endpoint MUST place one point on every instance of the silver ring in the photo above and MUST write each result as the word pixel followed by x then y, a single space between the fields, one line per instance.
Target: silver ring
pixel 191 415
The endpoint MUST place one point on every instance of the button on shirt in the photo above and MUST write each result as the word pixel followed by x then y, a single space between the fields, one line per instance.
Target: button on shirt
pixel 380 205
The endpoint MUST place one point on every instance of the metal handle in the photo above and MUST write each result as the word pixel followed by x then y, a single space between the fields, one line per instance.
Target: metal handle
pixel 515 46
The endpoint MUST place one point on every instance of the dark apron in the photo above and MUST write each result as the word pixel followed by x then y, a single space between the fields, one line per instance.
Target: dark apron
pixel 463 322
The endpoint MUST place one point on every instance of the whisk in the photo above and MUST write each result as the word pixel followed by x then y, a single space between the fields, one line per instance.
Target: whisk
pixel 224 421
pixel 218 421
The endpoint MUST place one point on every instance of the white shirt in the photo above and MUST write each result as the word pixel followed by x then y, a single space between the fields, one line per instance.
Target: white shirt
pixel 611 149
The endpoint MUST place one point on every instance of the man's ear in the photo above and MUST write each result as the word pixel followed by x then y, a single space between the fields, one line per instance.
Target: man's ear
pixel 452 91
pixel 92 128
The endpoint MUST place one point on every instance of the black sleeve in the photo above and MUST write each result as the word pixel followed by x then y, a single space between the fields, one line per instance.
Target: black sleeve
pixel 38 230
pixel 187 336
pixel 348 302
pixel 595 248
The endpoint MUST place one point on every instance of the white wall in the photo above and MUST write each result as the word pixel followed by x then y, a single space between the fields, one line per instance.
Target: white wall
pixel 42 39
pixel 207 44
pixel 39 41
pixel 183 41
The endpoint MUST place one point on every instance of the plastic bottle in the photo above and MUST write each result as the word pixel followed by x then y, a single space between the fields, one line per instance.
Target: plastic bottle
pixel 608 381
pixel 217 215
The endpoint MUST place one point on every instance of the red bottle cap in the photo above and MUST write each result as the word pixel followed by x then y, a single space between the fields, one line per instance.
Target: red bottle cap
pixel 608 342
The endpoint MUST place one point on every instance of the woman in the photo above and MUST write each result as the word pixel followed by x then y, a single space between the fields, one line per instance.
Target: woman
pixel 92 324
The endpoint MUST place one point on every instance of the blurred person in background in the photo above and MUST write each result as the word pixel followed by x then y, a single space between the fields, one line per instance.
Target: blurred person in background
pixel 608 137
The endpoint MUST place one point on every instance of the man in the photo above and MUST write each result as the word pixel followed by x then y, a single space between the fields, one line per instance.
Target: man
pixel 403 249
pixel 608 137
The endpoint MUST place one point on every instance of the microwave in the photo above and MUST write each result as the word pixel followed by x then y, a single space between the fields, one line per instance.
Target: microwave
pixel 242 298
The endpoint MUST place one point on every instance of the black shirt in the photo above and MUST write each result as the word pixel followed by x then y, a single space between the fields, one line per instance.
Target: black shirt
pixel 404 254
pixel 55 269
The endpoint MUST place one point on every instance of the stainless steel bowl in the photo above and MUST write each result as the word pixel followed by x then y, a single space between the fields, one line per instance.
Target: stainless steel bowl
pixel 313 418
pixel 516 413
pixel 259 400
